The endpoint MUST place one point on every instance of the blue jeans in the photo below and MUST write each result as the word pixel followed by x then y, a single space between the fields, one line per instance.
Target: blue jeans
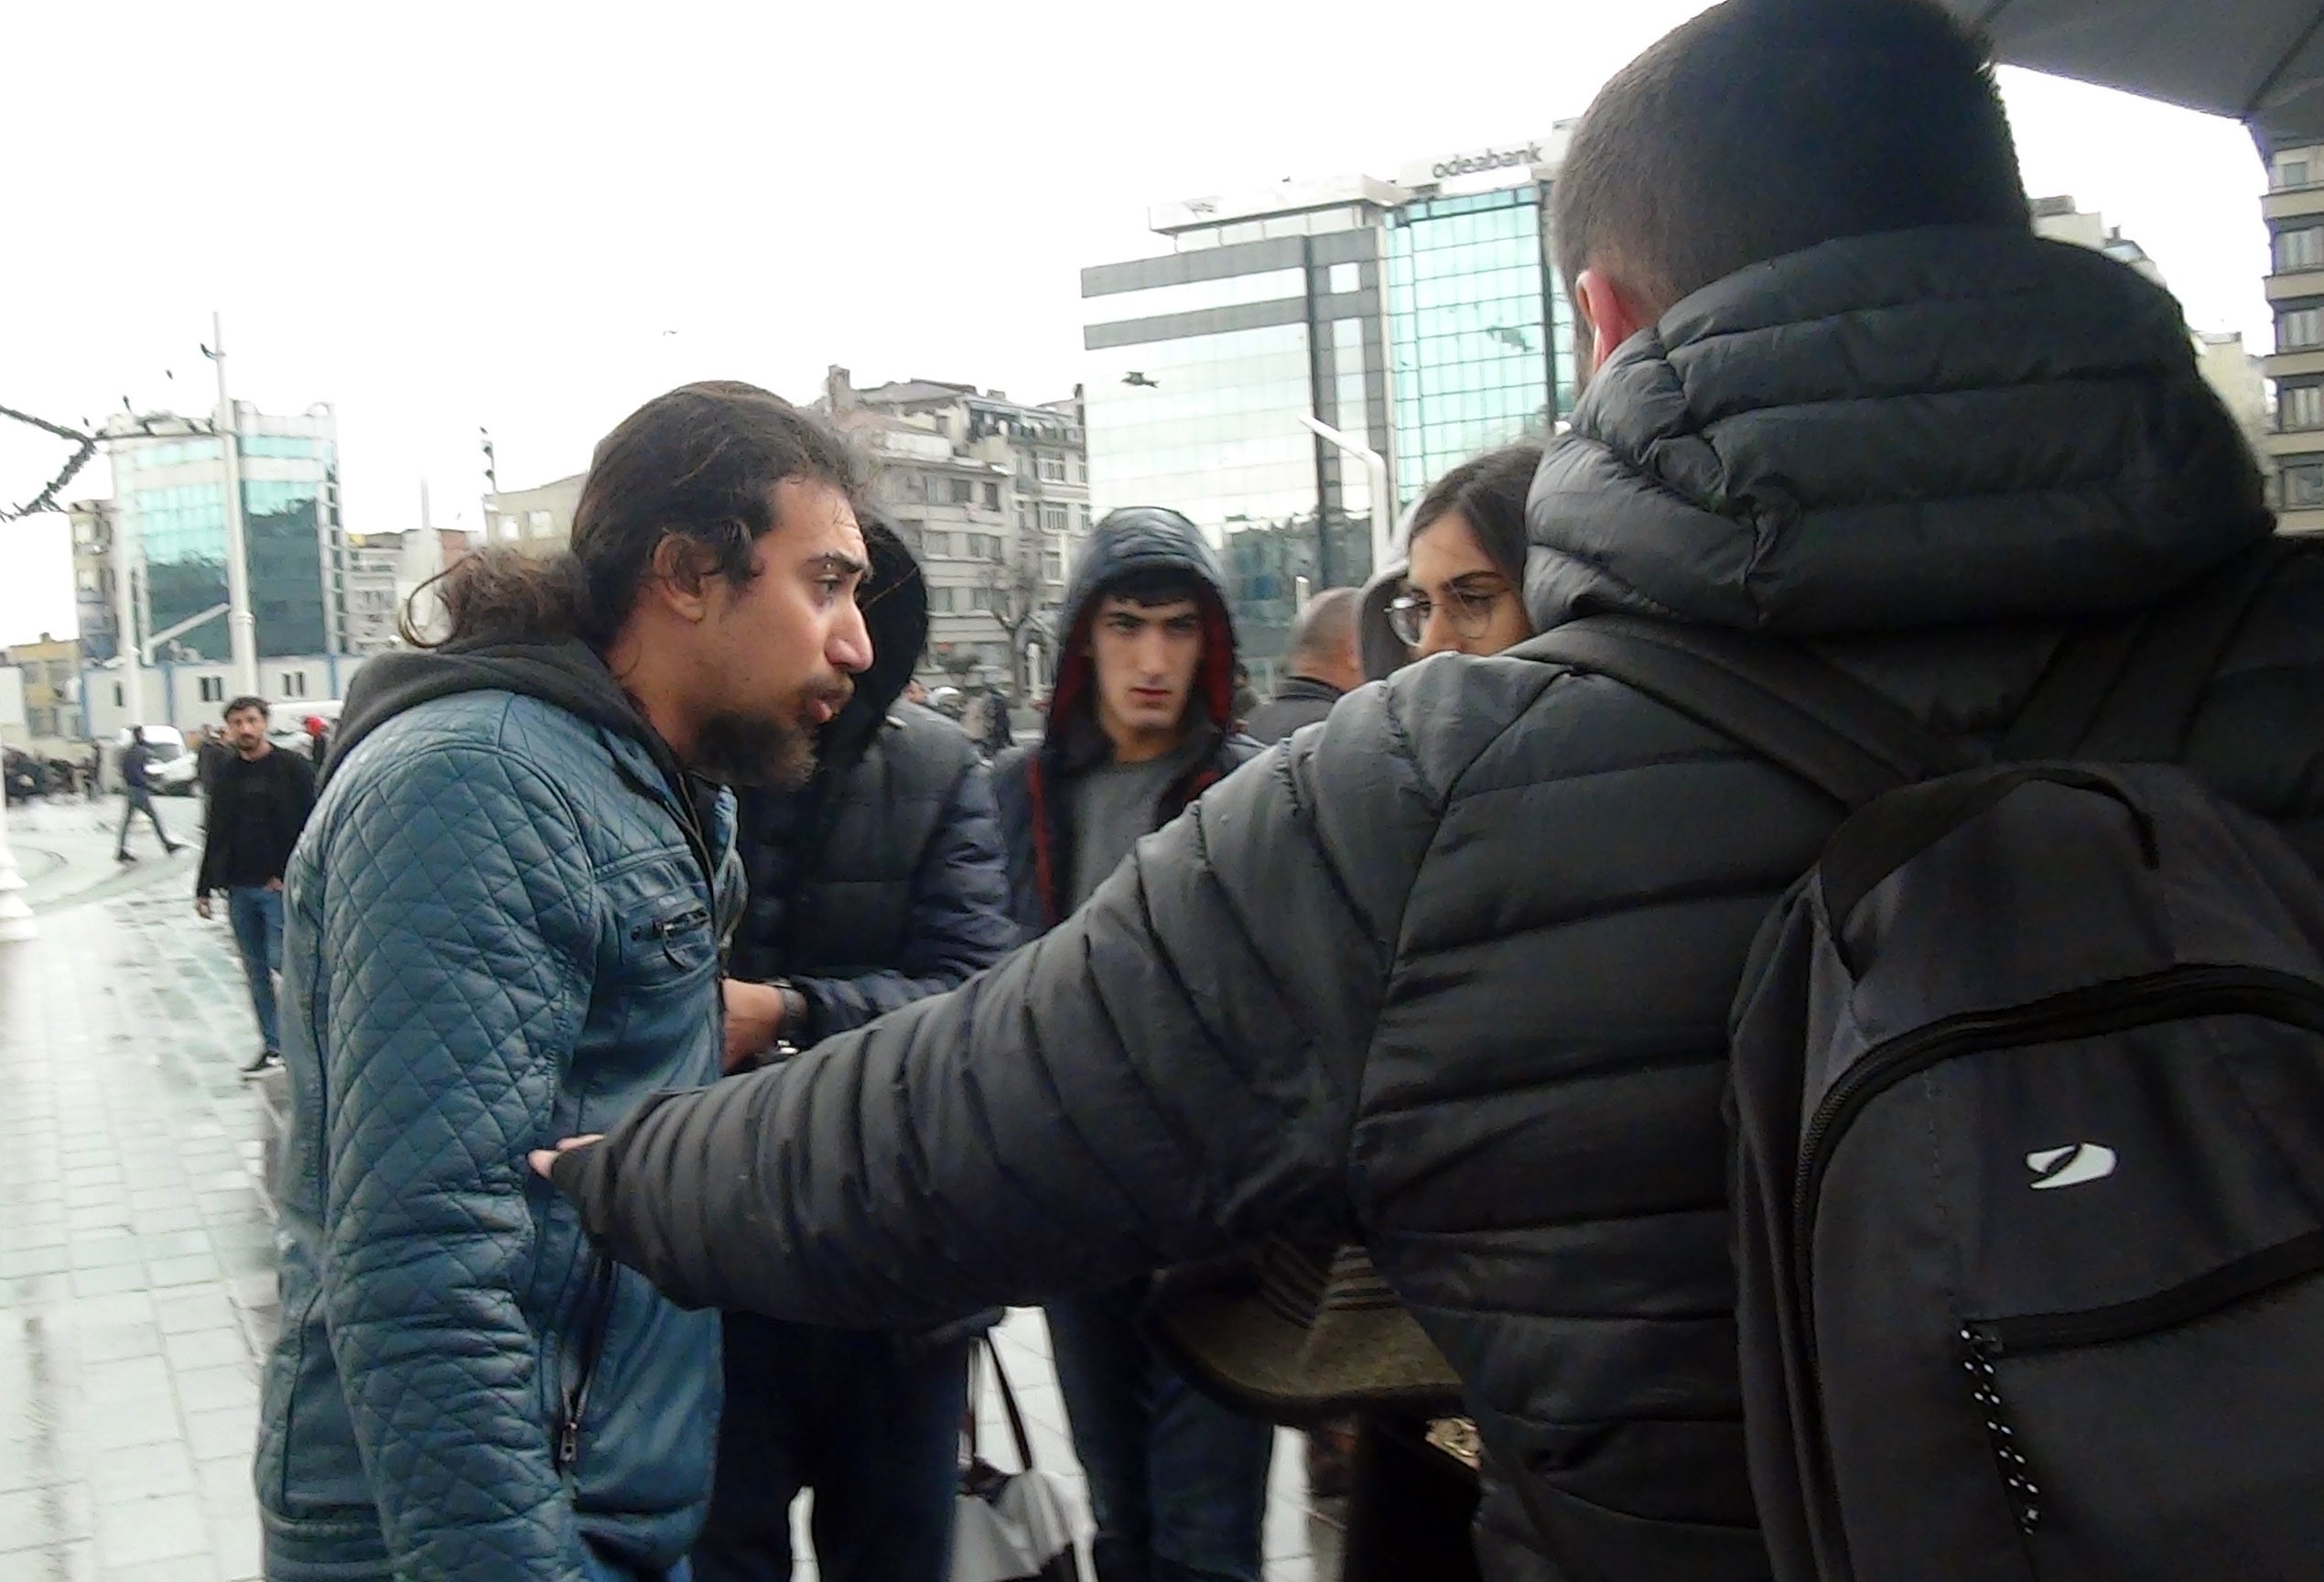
pixel 1177 1483
pixel 257 916
pixel 871 1422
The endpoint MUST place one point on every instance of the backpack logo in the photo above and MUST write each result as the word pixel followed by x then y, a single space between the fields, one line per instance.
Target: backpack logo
pixel 2071 1166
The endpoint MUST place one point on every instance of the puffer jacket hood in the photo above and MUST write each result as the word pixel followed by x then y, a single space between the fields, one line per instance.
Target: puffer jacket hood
pixel 1377 648
pixel 1892 433
pixel 1133 539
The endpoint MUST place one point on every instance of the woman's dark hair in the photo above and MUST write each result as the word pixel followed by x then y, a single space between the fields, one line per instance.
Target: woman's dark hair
pixel 1489 490
pixel 700 463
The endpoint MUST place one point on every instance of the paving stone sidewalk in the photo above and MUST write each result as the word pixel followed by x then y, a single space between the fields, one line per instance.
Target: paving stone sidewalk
pixel 137 1266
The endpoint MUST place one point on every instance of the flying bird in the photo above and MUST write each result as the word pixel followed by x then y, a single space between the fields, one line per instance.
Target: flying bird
pixel 1141 381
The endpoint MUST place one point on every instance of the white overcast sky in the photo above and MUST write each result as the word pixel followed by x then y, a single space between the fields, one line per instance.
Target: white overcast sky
pixel 442 216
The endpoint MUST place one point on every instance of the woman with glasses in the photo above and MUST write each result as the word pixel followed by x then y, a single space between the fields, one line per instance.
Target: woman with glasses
pixel 1464 588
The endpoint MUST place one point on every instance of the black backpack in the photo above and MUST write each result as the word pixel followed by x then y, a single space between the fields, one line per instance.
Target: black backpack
pixel 2028 1111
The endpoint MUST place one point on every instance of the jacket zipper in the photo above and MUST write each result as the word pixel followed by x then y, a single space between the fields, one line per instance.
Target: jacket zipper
pixel 597 1301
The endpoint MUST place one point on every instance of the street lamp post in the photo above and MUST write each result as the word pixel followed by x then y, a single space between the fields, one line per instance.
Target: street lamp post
pixel 242 623
pixel 1376 469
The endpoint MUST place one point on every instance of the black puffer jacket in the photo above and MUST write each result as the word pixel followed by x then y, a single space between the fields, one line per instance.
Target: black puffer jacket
pixel 1028 781
pixel 1452 975
pixel 882 881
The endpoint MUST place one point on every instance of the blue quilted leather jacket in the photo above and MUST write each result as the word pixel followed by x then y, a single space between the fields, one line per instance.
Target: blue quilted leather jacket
pixel 499 933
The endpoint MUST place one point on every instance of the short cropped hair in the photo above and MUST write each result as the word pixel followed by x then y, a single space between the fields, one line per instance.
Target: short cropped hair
pixel 235 706
pixel 1762 127
pixel 1152 587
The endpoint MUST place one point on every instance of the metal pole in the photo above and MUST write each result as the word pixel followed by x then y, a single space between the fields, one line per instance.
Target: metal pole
pixel 242 626
pixel 1376 469
pixel 126 648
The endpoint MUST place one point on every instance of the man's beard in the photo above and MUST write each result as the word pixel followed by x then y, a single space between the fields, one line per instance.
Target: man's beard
pixel 752 749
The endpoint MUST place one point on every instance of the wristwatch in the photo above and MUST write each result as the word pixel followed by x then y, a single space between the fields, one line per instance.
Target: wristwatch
pixel 794 1009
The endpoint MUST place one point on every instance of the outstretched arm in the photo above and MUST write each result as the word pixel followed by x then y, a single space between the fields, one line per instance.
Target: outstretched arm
pixel 1172 1072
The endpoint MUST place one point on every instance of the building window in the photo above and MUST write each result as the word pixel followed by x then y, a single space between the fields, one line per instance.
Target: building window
pixel 2300 327
pixel 1053 519
pixel 2300 249
pixel 1052 469
pixel 536 523
pixel 940 600
pixel 293 683
pixel 964 491
pixel 992 496
pixel 988 545
pixel 213 689
pixel 2301 408
pixel 1081 518
pixel 1081 471
pixel 1053 566
pixel 980 599
pixel 2303 486
pixel 2291 173
pixel 936 546
pixel 120 698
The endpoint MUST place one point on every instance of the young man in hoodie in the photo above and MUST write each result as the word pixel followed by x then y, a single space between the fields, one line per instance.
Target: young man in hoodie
pixel 1138 729
pixel 503 924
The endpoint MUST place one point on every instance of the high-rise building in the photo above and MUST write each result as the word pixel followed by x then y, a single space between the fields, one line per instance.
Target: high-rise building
pixel 991 496
pixel 2294 449
pixel 1422 319
pixel 169 494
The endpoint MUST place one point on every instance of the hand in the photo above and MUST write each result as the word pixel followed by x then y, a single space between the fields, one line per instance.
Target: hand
pixel 202 907
pixel 276 886
pixel 753 1019
pixel 544 1160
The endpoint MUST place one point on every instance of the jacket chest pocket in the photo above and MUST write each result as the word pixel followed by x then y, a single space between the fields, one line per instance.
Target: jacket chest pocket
pixel 664 937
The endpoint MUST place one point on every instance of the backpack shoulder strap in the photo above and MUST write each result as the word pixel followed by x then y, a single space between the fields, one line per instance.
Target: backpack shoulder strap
pixel 1774 697
pixel 2127 690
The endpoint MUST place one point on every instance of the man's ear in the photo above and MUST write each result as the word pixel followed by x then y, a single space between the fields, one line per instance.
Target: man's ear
pixel 1612 311
pixel 679 576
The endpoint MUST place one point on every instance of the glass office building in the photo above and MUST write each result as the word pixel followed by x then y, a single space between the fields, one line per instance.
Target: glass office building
pixel 1200 365
pixel 1423 317
pixel 174 489
pixel 1483 336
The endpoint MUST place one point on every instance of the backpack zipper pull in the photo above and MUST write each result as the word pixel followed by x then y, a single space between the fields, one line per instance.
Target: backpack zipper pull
pixel 2016 1476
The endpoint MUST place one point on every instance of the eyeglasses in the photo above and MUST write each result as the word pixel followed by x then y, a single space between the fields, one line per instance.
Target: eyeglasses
pixel 1470 610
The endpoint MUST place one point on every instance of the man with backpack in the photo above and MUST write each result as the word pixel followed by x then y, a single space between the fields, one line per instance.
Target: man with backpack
pixel 1451 976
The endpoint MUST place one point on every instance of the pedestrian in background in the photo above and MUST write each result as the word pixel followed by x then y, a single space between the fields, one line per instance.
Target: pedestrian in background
pixel 1141 723
pixel 136 796
pixel 1321 666
pixel 259 801
pixel 879 883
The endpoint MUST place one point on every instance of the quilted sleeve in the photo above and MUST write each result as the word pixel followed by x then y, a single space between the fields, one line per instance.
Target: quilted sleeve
pixel 959 925
pixel 1170 1073
pixel 460 911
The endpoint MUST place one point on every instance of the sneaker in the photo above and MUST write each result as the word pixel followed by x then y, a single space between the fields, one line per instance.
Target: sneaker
pixel 173 851
pixel 268 1060
pixel 122 857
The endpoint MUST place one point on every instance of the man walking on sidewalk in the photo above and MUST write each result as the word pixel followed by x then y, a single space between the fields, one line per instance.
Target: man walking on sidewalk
pixel 259 801
pixel 136 796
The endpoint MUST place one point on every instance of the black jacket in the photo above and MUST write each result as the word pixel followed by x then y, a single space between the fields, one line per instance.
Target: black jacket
pixel 883 880
pixel 1299 700
pixel 1451 976
pixel 1028 782
pixel 283 783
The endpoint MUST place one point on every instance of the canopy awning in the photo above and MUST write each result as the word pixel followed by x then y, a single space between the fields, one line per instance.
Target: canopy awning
pixel 2261 61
